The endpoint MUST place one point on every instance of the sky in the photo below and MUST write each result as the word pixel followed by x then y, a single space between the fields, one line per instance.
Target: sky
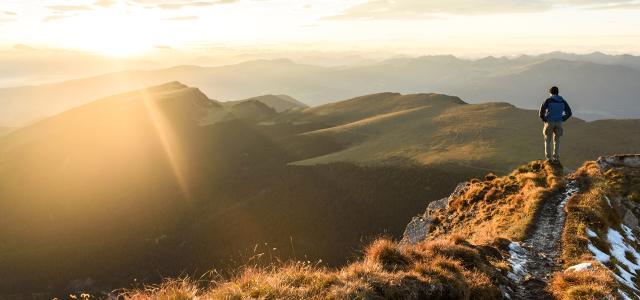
pixel 127 28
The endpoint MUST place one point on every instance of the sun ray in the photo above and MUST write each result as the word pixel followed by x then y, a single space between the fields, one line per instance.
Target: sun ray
pixel 168 141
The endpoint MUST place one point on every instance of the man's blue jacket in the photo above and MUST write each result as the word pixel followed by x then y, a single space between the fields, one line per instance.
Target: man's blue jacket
pixel 555 109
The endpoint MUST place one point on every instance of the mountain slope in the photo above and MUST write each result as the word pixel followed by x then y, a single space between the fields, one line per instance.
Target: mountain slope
pixel 279 103
pixel 439 130
pixel 173 182
pixel 169 181
pixel 242 80
pixel 520 86
pixel 501 262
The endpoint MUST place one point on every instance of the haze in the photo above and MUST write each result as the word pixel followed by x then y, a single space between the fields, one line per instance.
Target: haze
pixel 462 27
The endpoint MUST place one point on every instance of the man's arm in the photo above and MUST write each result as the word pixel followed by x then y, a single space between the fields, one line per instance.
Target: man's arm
pixel 567 112
pixel 543 110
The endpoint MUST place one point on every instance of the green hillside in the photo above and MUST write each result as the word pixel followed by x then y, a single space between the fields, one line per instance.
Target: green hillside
pixel 437 130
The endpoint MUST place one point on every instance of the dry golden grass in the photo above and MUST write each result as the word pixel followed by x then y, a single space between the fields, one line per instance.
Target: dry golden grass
pixel 590 209
pixel 442 269
pixel 490 212
pixel 500 206
pixel 587 209
pixel 594 284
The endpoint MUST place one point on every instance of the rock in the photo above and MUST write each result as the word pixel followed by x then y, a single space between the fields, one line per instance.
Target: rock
pixel 505 291
pixel 630 219
pixel 436 206
pixel 579 267
pixel 626 160
pixel 416 231
pixel 491 251
pixel 420 226
pixel 501 243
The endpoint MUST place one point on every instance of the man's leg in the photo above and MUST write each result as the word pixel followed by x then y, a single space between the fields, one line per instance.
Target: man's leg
pixel 548 147
pixel 557 133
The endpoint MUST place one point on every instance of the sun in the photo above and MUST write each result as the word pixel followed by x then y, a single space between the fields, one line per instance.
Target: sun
pixel 120 48
pixel 115 34
pixel 118 40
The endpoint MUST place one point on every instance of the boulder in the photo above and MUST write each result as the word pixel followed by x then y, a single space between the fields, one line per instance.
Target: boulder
pixel 625 160
pixel 420 226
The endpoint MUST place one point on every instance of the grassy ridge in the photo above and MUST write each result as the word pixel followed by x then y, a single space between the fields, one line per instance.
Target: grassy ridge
pixel 442 269
pixel 443 131
pixel 596 209
pixel 445 266
pixel 499 206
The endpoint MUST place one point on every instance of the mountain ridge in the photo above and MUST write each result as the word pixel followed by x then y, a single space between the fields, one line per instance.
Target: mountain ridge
pixel 171 180
pixel 373 130
pixel 473 80
pixel 497 262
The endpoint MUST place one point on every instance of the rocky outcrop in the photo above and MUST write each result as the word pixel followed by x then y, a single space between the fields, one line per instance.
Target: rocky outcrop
pixel 624 160
pixel 420 226
pixel 628 210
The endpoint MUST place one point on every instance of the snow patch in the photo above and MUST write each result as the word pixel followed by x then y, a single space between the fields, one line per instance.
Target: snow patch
pixel 518 261
pixel 591 234
pixel 579 267
pixel 625 278
pixel 618 249
pixel 600 256
pixel 628 232
pixel 625 254
pixel 624 295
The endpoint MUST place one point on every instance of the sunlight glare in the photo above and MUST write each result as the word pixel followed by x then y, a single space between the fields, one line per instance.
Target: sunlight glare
pixel 168 141
pixel 116 33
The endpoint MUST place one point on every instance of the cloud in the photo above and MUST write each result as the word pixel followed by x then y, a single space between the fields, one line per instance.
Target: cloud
pixel 181 4
pixel 625 5
pixel 105 3
pixel 56 17
pixel 416 9
pixel 183 18
pixel 66 8
pixel 23 47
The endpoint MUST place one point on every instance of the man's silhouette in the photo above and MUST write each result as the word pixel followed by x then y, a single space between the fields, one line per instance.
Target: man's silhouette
pixel 553 112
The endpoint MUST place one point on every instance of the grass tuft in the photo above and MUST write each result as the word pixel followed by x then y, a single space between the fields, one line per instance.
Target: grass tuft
pixel 388 254
pixel 584 285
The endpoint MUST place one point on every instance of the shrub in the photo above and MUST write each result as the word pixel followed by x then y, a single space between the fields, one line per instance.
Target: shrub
pixel 590 284
pixel 388 254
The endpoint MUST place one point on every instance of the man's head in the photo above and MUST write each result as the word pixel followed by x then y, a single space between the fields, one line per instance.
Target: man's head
pixel 554 90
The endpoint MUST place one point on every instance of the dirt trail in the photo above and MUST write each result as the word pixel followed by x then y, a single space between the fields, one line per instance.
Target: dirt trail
pixel 536 258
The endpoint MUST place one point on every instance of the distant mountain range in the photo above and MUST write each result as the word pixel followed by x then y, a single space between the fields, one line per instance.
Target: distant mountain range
pixel 163 180
pixel 598 86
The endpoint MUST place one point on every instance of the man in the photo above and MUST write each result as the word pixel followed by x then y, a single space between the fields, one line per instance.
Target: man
pixel 554 111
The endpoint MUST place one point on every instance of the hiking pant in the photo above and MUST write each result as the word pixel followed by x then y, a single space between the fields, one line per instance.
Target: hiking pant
pixel 552 133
